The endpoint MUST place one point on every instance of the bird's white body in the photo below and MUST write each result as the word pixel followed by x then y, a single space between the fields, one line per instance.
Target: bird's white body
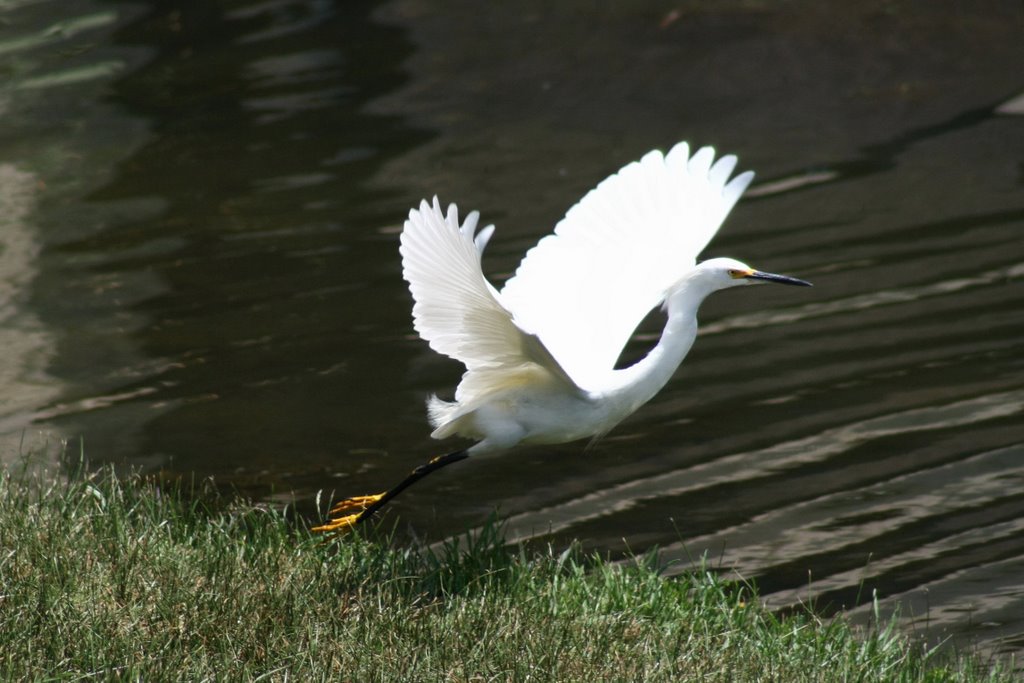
pixel 540 354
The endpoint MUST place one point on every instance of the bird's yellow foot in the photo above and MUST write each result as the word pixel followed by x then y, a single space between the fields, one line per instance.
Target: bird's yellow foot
pixel 345 523
pixel 355 503
pixel 338 525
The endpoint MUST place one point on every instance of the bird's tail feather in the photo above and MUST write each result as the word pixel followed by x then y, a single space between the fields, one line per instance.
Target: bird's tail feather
pixel 440 412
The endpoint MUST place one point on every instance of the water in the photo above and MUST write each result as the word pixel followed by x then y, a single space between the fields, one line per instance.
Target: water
pixel 200 205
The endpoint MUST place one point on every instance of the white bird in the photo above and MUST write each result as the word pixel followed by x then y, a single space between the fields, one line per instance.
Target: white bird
pixel 540 354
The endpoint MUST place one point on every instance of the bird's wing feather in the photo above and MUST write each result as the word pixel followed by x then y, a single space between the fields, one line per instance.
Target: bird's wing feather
pixel 456 309
pixel 584 289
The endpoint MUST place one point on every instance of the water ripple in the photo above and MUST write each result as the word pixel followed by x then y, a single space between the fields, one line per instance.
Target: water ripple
pixel 754 464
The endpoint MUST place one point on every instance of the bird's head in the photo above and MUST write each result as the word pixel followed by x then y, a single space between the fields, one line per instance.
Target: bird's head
pixel 722 273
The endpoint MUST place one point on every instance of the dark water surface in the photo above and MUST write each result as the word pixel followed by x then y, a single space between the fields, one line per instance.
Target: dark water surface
pixel 199 206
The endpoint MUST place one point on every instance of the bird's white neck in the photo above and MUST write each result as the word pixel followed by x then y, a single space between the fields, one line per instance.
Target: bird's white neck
pixel 637 384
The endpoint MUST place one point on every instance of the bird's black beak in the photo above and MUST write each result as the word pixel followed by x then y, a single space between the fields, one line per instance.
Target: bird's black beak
pixel 780 279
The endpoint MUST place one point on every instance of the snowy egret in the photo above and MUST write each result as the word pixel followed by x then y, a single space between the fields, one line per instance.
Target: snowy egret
pixel 540 354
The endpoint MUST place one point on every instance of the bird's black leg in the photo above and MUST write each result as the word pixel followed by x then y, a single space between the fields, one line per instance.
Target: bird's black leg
pixel 368 505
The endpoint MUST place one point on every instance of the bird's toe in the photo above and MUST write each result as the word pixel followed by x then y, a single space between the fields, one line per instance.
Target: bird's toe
pixel 355 503
pixel 338 525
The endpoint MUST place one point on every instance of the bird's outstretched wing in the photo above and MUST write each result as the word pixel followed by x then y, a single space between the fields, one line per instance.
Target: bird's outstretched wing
pixel 584 289
pixel 456 309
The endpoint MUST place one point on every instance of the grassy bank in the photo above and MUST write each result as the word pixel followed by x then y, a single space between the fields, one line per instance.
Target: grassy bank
pixel 109 579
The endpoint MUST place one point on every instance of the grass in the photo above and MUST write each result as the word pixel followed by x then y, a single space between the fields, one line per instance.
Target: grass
pixel 118 579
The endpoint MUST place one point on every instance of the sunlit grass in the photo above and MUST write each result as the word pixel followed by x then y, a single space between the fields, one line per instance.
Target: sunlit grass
pixel 118 579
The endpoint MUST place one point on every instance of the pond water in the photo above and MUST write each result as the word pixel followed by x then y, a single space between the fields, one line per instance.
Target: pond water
pixel 199 270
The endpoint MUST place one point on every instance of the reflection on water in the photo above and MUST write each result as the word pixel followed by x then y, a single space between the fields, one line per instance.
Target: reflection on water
pixel 26 344
pixel 200 269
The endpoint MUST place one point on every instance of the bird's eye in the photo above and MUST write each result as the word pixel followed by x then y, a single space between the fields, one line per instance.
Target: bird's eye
pixel 736 274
